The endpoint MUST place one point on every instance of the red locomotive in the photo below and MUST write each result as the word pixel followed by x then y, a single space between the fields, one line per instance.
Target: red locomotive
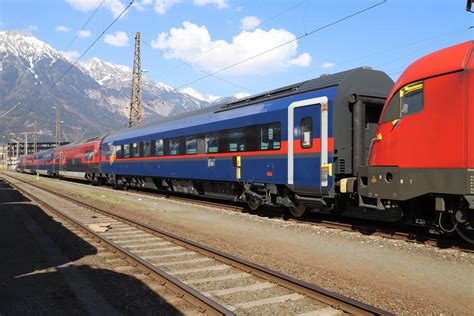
pixel 422 157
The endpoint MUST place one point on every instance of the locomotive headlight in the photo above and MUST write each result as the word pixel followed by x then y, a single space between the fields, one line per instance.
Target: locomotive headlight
pixel 379 137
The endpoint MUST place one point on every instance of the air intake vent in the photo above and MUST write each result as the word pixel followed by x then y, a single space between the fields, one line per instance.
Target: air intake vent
pixel 341 165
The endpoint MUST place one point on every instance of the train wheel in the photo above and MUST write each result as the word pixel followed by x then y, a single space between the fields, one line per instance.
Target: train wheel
pixel 253 205
pixel 298 210
pixel 464 225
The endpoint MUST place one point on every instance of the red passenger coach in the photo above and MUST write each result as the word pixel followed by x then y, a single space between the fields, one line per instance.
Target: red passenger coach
pixel 424 145
pixel 79 160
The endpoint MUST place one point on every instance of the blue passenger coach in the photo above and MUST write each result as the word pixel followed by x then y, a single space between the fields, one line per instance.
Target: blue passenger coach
pixel 290 146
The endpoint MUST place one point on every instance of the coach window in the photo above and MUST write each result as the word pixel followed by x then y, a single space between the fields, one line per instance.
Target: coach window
pixel 147 148
pixel 411 99
pixel 159 148
pixel 270 136
pixel 118 151
pixel 212 143
pixel 252 138
pixel 134 150
pixel 126 151
pixel 191 145
pixel 236 140
pixel 140 149
pixel 174 146
pixel 306 136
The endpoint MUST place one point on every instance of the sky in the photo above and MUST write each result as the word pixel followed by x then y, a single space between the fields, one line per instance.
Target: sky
pixel 195 43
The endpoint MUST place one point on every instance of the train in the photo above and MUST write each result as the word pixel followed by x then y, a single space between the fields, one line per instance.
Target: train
pixel 350 139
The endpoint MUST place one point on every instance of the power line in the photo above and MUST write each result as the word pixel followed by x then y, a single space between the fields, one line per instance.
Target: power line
pixel 343 62
pixel 444 37
pixel 259 24
pixel 85 24
pixel 281 45
pixel 70 43
pixel 202 71
pixel 90 46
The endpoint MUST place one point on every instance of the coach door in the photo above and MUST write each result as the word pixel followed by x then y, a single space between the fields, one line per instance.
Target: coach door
pixel 308 144
pixel 61 159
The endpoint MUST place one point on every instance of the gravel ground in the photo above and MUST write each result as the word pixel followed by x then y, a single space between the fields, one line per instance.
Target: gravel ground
pixel 399 276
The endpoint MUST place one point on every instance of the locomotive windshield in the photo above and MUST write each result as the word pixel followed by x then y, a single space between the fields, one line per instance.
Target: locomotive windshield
pixel 408 100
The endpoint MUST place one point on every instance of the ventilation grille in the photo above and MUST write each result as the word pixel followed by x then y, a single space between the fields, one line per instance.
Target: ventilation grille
pixel 471 183
pixel 341 165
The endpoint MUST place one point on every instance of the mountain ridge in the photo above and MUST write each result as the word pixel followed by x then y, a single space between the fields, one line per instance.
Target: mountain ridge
pixel 94 94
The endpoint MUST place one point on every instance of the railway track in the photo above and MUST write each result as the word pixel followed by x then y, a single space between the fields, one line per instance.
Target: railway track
pixel 414 235
pixel 215 282
pixel 365 227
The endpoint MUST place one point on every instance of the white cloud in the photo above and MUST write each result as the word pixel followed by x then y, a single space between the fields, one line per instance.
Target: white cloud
pixel 328 65
pixel 241 95
pixel 114 6
pixel 70 55
pixel 303 60
pixel 249 23
pixel 119 39
pixel 84 33
pixel 33 28
pixel 193 44
pixel 140 6
pixel 161 6
pixel 63 29
pixel 220 4
pixel 239 9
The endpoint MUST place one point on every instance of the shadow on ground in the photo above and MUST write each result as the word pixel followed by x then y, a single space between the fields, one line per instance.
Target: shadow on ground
pixel 32 283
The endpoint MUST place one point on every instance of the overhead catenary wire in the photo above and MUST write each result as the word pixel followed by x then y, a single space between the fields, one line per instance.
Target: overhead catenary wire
pixel 90 46
pixel 384 51
pixel 297 4
pixel 202 71
pixel 84 25
pixel 258 25
pixel 70 43
pixel 280 45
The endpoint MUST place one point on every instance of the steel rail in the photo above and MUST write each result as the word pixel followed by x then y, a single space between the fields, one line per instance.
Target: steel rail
pixel 203 303
pixel 336 300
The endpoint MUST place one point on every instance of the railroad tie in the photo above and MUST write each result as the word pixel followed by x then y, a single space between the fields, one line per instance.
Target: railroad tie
pixel 119 238
pixel 169 263
pixel 329 311
pixel 135 240
pixel 137 246
pixel 176 254
pixel 265 301
pixel 143 253
pixel 203 269
pixel 253 287
pixel 218 278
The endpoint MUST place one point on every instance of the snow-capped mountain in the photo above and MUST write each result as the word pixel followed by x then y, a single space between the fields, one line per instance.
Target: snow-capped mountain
pixel 203 97
pixel 94 94
pixel 159 99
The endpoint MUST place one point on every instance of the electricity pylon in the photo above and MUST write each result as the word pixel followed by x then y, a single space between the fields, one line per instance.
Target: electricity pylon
pixel 136 114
